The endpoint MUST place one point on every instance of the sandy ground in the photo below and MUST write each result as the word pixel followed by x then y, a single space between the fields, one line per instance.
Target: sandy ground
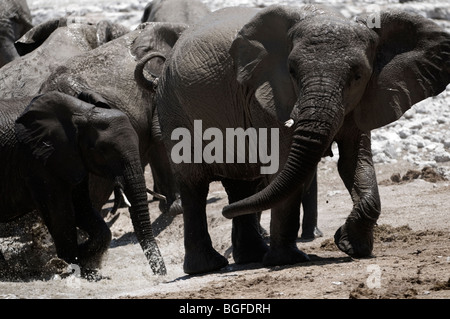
pixel 411 254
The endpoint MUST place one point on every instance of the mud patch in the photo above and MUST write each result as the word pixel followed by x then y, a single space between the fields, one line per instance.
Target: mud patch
pixel 427 174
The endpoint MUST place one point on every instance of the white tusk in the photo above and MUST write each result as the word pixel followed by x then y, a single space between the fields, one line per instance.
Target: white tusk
pixel 289 123
pixel 159 196
pixel 125 199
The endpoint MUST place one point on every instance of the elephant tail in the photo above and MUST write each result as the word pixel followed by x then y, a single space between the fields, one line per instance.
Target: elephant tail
pixel 141 79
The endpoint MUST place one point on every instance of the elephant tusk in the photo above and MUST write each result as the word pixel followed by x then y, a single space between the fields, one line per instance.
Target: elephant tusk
pixel 125 199
pixel 289 123
pixel 155 194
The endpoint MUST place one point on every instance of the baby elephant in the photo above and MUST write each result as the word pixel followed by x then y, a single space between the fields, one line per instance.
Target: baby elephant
pixel 47 153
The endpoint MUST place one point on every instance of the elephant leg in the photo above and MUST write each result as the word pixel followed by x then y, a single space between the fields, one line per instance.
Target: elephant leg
pixel 309 203
pixel 247 240
pixel 54 202
pixel 284 227
pixel 200 256
pixel 356 169
pixel 163 179
pixel 89 220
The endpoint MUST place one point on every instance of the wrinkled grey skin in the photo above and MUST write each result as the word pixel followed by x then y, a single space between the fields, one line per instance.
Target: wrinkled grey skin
pixel 178 11
pixel 109 71
pixel 191 12
pixel 336 79
pixel 48 149
pixel 15 21
pixel 50 45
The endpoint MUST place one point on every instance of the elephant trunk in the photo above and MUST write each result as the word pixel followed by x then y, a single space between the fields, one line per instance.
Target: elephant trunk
pixel 317 116
pixel 136 192
pixel 141 80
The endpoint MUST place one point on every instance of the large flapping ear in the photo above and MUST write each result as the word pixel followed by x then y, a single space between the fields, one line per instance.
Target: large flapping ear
pixel 48 128
pixel 412 63
pixel 260 52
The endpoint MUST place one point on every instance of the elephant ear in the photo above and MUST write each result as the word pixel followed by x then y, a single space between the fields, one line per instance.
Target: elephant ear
pixel 260 53
pixel 49 131
pixel 108 31
pixel 412 63
pixel 37 35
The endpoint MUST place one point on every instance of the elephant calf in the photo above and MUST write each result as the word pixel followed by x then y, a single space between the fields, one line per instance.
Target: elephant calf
pixel 47 153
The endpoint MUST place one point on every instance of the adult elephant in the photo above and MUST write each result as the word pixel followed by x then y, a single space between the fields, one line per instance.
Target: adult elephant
pixel 47 153
pixel 329 78
pixel 110 70
pixel 191 12
pixel 15 21
pixel 178 11
pixel 47 46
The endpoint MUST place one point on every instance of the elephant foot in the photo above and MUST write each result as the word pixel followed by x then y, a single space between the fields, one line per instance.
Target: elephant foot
pixel 254 253
pixel 91 252
pixel 203 261
pixel 286 255
pixel 311 234
pixel 355 239
pixel 176 208
pixel 173 209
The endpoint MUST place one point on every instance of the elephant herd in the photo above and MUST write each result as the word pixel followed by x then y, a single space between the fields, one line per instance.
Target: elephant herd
pixel 85 107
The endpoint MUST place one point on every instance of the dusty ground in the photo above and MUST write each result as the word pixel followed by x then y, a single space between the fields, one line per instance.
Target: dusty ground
pixel 411 255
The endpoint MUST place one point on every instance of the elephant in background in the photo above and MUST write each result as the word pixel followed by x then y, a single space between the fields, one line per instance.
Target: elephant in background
pixel 315 76
pixel 47 46
pixel 177 11
pixel 110 70
pixel 105 32
pixel 48 150
pixel 15 21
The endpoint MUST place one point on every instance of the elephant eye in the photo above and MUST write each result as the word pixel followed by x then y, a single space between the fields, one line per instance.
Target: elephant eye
pixel 293 72
pixel 355 71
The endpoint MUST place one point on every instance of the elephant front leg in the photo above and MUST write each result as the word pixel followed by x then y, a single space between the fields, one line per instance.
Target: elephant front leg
pixel 356 169
pixel 200 256
pixel 54 202
pixel 284 227
pixel 90 220
pixel 247 238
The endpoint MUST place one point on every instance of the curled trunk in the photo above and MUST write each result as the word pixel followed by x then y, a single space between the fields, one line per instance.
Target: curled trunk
pixel 136 192
pixel 317 117
pixel 142 81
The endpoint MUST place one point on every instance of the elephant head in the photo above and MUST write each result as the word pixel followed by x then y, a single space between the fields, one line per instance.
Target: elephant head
pixel 15 20
pixel 72 138
pixel 317 68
